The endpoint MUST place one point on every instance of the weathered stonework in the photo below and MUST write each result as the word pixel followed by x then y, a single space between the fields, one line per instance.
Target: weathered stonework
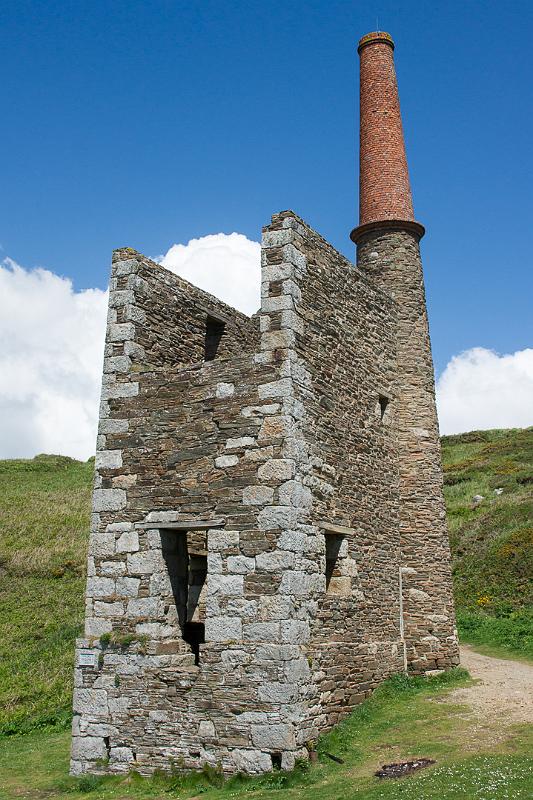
pixel 268 536
pixel 258 494
pixel 392 258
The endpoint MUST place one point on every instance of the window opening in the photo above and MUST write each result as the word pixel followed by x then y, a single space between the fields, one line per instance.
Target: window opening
pixel 383 403
pixel 333 546
pixel 214 331
pixel 276 760
pixel 185 556
pixel 194 628
pixel 107 745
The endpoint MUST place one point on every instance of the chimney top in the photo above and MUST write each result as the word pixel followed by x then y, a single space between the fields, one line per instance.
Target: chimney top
pixel 376 37
pixel 384 189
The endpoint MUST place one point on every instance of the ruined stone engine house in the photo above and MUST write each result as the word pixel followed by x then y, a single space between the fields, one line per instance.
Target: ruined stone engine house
pixel 268 536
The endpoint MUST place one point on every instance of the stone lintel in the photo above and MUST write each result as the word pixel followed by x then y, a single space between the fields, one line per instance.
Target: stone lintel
pixel 214 314
pixel 329 527
pixel 183 524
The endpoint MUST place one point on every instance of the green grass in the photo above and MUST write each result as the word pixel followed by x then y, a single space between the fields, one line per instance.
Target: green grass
pixel 492 542
pixel 510 635
pixel 44 518
pixel 400 721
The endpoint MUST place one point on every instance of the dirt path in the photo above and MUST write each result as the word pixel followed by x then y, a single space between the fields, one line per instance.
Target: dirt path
pixel 502 697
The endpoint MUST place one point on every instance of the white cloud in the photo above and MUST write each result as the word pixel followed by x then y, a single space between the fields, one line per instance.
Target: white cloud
pixel 52 339
pixel 226 265
pixel 51 350
pixel 480 389
pixel 51 346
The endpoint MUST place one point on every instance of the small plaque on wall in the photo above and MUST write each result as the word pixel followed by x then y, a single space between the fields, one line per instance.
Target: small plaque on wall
pixel 86 658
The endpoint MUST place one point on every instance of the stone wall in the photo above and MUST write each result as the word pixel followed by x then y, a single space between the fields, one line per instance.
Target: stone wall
pixel 199 442
pixel 244 560
pixel 170 314
pixel 344 336
pixel 392 259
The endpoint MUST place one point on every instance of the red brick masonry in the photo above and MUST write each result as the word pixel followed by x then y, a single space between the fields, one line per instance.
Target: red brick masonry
pixel 385 192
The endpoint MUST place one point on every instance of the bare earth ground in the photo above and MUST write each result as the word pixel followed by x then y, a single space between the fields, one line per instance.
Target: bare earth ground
pixel 501 697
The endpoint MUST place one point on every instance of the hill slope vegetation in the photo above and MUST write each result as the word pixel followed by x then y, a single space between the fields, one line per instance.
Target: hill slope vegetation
pixel 44 521
pixel 492 539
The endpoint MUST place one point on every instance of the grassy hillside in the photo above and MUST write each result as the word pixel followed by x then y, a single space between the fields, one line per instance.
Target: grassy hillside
pixel 44 520
pixel 492 540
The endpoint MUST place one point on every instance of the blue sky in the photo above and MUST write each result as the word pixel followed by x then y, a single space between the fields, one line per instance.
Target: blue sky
pixel 150 123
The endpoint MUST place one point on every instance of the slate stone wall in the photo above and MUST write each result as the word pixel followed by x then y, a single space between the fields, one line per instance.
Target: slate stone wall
pixel 171 313
pixel 392 259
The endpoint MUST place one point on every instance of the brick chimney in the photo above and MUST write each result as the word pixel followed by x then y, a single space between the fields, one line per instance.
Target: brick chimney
pixel 384 189
pixel 388 251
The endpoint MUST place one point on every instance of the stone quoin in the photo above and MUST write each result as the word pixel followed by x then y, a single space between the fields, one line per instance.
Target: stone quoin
pixel 268 538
